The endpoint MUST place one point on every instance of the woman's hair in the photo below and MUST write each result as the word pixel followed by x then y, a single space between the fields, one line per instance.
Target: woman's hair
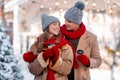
pixel 44 36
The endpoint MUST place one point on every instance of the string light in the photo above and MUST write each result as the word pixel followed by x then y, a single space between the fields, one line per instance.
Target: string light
pixel 98 10
pixel 93 4
pixel 61 10
pixel 41 6
pixel 111 11
pixel 90 11
pixel 108 1
pixel 65 2
pixel 86 2
pixel 50 8
pixel 57 4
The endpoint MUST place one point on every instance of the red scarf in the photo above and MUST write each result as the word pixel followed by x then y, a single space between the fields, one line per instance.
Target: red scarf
pixel 73 34
pixel 49 41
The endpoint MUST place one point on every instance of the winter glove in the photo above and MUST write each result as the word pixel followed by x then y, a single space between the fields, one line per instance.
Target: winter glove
pixel 56 54
pixel 47 54
pixel 29 56
pixel 83 58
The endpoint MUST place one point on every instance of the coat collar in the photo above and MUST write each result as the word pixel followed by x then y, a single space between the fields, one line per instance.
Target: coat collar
pixel 83 42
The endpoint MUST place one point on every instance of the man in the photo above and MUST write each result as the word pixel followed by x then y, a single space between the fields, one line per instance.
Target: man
pixel 85 43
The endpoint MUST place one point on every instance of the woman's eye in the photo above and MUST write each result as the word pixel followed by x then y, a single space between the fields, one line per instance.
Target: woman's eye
pixel 54 23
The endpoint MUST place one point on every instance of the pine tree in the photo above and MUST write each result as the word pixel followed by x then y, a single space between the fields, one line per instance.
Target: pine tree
pixel 9 69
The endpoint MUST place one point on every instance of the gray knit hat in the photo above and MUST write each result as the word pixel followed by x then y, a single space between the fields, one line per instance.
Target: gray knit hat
pixel 75 14
pixel 47 20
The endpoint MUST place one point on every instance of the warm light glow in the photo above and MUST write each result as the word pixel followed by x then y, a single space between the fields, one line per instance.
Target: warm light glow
pixel 65 2
pixel 109 7
pixel 108 1
pixel 111 11
pixel 86 2
pixel 93 4
pixel 41 6
pixel 98 10
pixel 61 9
pixel 57 4
pixel 90 11
pixel 50 8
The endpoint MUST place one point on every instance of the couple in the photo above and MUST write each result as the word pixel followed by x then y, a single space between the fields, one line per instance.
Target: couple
pixel 66 52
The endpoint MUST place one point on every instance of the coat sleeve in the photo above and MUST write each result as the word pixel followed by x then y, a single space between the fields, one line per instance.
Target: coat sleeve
pixel 95 58
pixel 38 65
pixel 64 64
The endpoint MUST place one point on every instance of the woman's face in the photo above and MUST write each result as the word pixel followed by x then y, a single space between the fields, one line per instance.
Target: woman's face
pixel 54 28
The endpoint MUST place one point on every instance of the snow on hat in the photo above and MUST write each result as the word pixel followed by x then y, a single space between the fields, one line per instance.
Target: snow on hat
pixel 47 20
pixel 75 14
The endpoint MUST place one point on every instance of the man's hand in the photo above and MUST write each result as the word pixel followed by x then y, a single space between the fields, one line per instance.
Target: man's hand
pixel 84 60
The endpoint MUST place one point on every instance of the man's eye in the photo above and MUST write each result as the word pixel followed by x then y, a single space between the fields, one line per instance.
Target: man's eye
pixel 69 21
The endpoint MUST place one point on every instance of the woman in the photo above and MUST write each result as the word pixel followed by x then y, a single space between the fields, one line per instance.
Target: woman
pixel 50 57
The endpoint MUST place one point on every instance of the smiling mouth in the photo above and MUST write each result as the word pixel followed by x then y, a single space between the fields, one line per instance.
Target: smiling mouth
pixel 56 30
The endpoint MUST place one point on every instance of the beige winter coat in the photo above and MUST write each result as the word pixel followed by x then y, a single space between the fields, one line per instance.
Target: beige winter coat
pixel 61 68
pixel 89 44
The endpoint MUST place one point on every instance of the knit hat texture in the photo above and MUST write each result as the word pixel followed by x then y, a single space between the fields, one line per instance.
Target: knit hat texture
pixel 47 20
pixel 75 13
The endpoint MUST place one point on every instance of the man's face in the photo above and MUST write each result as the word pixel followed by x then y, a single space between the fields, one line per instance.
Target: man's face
pixel 71 26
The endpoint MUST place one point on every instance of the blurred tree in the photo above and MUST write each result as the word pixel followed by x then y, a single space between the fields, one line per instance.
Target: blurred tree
pixel 9 69
pixel 114 56
pixel 3 19
pixel 112 45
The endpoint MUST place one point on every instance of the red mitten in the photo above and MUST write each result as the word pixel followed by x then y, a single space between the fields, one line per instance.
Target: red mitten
pixel 29 56
pixel 56 53
pixel 47 54
pixel 84 60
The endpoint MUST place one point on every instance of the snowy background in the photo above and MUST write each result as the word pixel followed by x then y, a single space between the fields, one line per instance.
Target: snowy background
pixel 12 66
